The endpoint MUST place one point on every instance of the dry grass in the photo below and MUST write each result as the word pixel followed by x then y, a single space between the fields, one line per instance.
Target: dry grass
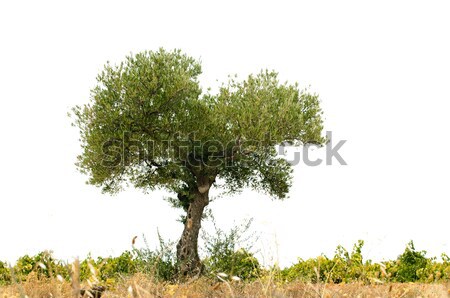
pixel 141 286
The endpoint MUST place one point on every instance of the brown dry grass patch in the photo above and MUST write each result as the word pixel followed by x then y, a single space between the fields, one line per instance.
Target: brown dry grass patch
pixel 141 286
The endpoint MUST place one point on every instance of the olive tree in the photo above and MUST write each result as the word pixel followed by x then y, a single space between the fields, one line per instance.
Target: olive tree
pixel 149 125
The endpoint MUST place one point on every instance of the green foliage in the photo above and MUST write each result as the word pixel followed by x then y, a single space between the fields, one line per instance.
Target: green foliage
pixel 43 264
pixel 5 273
pixel 229 252
pixel 86 268
pixel 160 263
pixel 164 132
pixel 435 271
pixel 411 265
pixel 343 267
pixel 114 267
pixel 347 267
pixel 147 98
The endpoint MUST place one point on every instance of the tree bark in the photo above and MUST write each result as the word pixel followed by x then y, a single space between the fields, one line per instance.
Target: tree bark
pixel 187 247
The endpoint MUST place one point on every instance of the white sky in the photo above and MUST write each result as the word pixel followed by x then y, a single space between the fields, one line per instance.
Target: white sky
pixel 382 70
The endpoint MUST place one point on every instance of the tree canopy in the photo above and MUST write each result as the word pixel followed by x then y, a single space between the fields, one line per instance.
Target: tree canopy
pixel 149 124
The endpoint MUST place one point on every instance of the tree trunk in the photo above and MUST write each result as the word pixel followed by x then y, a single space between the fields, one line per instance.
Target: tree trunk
pixel 187 247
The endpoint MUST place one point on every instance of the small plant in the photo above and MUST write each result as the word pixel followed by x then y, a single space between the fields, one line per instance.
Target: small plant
pixel 229 252
pixel 43 264
pixel 410 264
pixel 160 263
pixel 5 274
pixel 344 267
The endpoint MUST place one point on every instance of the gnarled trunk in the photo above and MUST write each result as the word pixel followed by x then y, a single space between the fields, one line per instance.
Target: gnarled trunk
pixel 187 247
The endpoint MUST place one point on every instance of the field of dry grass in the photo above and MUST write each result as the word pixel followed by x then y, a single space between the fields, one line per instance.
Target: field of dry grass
pixel 141 286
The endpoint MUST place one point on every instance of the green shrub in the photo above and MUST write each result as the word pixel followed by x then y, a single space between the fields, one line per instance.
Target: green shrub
pixel 160 263
pixel 114 267
pixel 5 274
pixel 411 265
pixel 311 270
pixel 229 252
pixel 343 267
pixel 43 264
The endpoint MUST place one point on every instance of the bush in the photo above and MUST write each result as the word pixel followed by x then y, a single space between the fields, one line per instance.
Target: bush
pixel 43 264
pixel 115 267
pixel 229 252
pixel 411 265
pixel 343 267
pixel 5 274
pixel 161 263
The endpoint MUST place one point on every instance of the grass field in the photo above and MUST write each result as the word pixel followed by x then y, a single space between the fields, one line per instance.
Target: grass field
pixel 142 286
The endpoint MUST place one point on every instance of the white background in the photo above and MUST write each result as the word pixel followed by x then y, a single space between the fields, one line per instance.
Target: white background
pixel 382 70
